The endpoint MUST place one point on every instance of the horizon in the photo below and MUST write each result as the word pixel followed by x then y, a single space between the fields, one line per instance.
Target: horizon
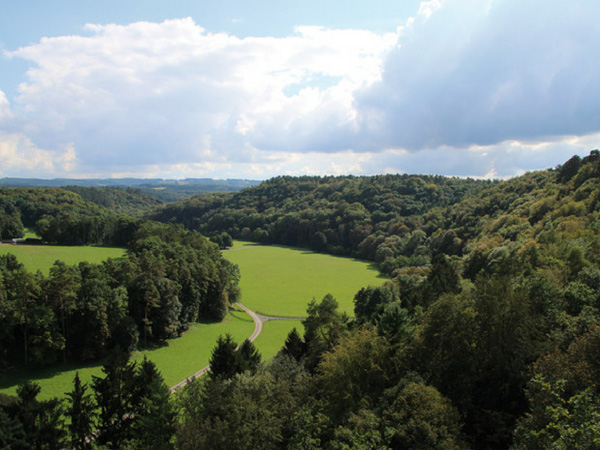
pixel 461 88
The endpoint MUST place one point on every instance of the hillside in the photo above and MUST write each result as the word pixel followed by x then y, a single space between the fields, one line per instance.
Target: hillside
pixel 402 220
pixel 486 335
pixel 338 215
pixel 128 201
pixel 163 189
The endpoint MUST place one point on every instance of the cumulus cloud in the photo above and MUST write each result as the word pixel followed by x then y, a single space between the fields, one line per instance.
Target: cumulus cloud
pixel 480 72
pixel 465 87
pixel 172 93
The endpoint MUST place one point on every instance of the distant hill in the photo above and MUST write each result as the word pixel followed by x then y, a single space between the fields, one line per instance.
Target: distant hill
pixel 403 221
pixel 166 190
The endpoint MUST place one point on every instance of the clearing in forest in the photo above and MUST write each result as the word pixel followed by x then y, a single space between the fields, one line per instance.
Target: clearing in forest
pixel 42 257
pixel 281 281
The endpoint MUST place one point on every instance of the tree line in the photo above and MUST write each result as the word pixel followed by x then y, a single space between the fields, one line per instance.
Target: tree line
pixel 128 407
pixel 487 335
pixel 169 279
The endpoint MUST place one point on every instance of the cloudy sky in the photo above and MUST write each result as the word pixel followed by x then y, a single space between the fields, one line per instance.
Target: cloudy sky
pixel 238 89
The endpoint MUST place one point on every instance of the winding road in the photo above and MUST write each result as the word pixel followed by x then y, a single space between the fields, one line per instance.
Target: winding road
pixel 258 324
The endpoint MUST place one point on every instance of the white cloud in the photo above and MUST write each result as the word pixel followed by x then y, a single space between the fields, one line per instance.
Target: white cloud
pixel 171 93
pixel 5 112
pixel 466 87
pixel 482 72
pixel 21 158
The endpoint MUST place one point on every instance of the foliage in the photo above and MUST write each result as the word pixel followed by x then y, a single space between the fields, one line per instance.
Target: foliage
pixel 170 278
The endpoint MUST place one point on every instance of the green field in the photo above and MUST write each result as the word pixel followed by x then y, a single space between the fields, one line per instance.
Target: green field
pixel 273 336
pixel 177 360
pixel 275 280
pixel 42 257
pixel 280 281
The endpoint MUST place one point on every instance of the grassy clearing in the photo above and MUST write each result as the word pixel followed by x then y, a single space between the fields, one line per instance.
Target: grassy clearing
pixel 273 336
pixel 42 257
pixel 30 233
pixel 176 360
pixel 280 281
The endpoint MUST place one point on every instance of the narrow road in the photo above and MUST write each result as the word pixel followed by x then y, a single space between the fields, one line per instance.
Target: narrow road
pixel 257 331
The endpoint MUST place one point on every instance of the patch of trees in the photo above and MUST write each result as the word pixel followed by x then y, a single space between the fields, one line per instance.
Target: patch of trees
pixel 21 207
pixel 73 216
pixel 123 201
pixel 169 279
pixel 331 214
pixel 129 407
pixel 493 346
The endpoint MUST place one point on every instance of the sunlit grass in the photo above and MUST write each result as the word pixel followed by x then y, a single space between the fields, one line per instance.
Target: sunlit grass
pixel 177 360
pixel 42 257
pixel 273 336
pixel 281 281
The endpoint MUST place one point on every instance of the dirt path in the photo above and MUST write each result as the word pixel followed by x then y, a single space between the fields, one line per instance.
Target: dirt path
pixel 258 323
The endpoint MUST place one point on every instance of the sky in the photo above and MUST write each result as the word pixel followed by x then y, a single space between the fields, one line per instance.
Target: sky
pixel 236 89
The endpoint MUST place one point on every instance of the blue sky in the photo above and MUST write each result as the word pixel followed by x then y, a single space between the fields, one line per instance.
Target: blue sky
pixel 236 89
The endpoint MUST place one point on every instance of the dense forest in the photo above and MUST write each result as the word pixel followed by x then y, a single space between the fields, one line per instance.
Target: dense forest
pixel 486 336
pixel 169 278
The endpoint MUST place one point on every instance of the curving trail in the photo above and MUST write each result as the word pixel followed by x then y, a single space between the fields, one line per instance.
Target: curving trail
pixel 257 330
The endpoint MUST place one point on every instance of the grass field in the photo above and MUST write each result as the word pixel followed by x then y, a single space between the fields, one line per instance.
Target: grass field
pixel 280 281
pixel 276 280
pixel 273 336
pixel 42 257
pixel 177 360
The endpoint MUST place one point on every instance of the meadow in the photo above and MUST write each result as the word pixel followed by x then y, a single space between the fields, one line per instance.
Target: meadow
pixel 275 280
pixel 177 359
pixel 42 257
pixel 281 281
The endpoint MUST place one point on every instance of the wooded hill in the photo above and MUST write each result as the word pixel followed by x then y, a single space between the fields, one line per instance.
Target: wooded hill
pixel 486 336
pixel 402 221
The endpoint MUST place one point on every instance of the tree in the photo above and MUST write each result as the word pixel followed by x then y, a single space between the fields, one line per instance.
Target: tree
pixel 155 415
pixel 61 288
pixel 370 302
pixel 248 356
pixel 42 421
pixel 558 422
pixel 81 412
pixel 12 435
pixel 224 363
pixel 294 345
pixel 114 396
pixel 356 372
pixel 420 418
pixel 442 279
pixel 323 328
pixel 396 323
pixel 569 169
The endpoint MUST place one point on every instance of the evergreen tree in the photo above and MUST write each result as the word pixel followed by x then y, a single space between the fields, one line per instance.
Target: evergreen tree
pixel 294 345
pixel 155 415
pixel 12 434
pixel 42 421
pixel 114 396
pixel 224 363
pixel 248 356
pixel 81 412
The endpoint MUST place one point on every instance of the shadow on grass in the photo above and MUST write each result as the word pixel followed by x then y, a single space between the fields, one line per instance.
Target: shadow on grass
pixel 22 374
pixel 240 315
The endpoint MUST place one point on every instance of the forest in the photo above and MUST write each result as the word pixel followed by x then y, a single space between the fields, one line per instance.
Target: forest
pixel 485 336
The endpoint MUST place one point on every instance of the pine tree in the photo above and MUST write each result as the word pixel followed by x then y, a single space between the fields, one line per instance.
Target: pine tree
pixel 224 363
pixel 155 416
pixel 248 356
pixel 114 396
pixel 294 345
pixel 81 412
